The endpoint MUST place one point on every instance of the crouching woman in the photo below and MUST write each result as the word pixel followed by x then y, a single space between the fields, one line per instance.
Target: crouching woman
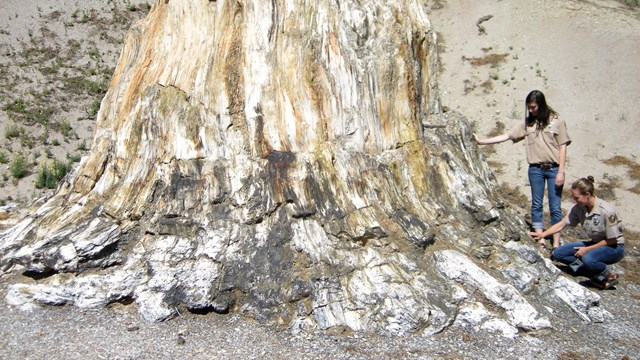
pixel 604 228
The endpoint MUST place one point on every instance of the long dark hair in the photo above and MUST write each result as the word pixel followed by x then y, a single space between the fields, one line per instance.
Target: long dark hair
pixel 545 112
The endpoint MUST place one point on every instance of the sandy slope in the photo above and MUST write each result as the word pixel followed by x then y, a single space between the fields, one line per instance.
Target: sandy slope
pixel 582 54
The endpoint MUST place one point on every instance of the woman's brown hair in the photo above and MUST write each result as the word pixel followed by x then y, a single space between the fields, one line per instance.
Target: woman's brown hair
pixel 584 185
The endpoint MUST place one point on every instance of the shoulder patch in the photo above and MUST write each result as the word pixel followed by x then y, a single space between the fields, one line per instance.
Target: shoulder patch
pixel 613 218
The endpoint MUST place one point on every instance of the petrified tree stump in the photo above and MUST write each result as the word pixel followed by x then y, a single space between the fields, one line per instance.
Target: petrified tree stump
pixel 286 160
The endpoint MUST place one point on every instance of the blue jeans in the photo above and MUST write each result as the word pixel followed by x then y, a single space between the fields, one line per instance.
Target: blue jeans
pixel 595 261
pixel 537 179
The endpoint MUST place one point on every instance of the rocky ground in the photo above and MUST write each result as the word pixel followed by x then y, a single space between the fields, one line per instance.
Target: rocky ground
pixel 118 333
pixel 55 62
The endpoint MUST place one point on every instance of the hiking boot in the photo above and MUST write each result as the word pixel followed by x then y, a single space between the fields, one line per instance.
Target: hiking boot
pixel 611 280
pixel 608 282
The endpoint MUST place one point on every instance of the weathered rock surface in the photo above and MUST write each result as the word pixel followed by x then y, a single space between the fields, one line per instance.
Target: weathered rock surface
pixel 290 162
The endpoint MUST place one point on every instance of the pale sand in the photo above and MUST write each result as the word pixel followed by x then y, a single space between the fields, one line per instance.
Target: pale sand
pixel 583 55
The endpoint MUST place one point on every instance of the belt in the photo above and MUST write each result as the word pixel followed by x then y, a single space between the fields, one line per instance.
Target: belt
pixel 545 165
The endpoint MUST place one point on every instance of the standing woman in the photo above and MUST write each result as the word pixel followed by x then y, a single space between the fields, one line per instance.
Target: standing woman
pixel 546 141
pixel 604 228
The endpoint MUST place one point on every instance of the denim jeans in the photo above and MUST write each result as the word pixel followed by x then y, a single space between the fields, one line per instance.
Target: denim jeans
pixel 595 261
pixel 537 179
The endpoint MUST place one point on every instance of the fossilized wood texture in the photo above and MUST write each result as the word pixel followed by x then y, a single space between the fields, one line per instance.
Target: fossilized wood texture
pixel 280 159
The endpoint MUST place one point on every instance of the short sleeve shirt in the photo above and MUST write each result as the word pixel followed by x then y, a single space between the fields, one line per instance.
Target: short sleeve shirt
pixel 600 224
pixel 542 145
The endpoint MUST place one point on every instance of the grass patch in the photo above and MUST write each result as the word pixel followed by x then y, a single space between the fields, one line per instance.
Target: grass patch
pixel 633 168
pixel 19 167
pixel 514 196
pixel 20 110
pixel 74 158
pixel 490 149
pixel 487 86
pixel 93 109
pixel 79 85
pixel 65 128
pixel 490 59
pixel 13 130
pixel 50 174
pixel 498 130
pixel 4 159
pixel 497 167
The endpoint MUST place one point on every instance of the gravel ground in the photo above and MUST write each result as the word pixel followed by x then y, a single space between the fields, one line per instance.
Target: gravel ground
pixel 118 333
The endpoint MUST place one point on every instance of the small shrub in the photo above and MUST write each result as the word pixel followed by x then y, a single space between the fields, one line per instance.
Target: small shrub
pixel 26 140
pixel 13 131
pixel 82 146
pixel 44 138
pixel 65 128
pixel 73 158
pixel 50 174
pixel 19 167
pixel 94 54
pixel 3 158
pixel 92 111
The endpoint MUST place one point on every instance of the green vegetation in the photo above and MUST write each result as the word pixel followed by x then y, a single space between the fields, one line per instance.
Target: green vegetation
pixel 93 109
pixel 26 140
pixel 50 174
pixel 19 167
pixel 13 130
pixel 65 128
pixel 4 159
pixel 73 158
pixel 19 110
pixel 53 82
pixel 80 85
